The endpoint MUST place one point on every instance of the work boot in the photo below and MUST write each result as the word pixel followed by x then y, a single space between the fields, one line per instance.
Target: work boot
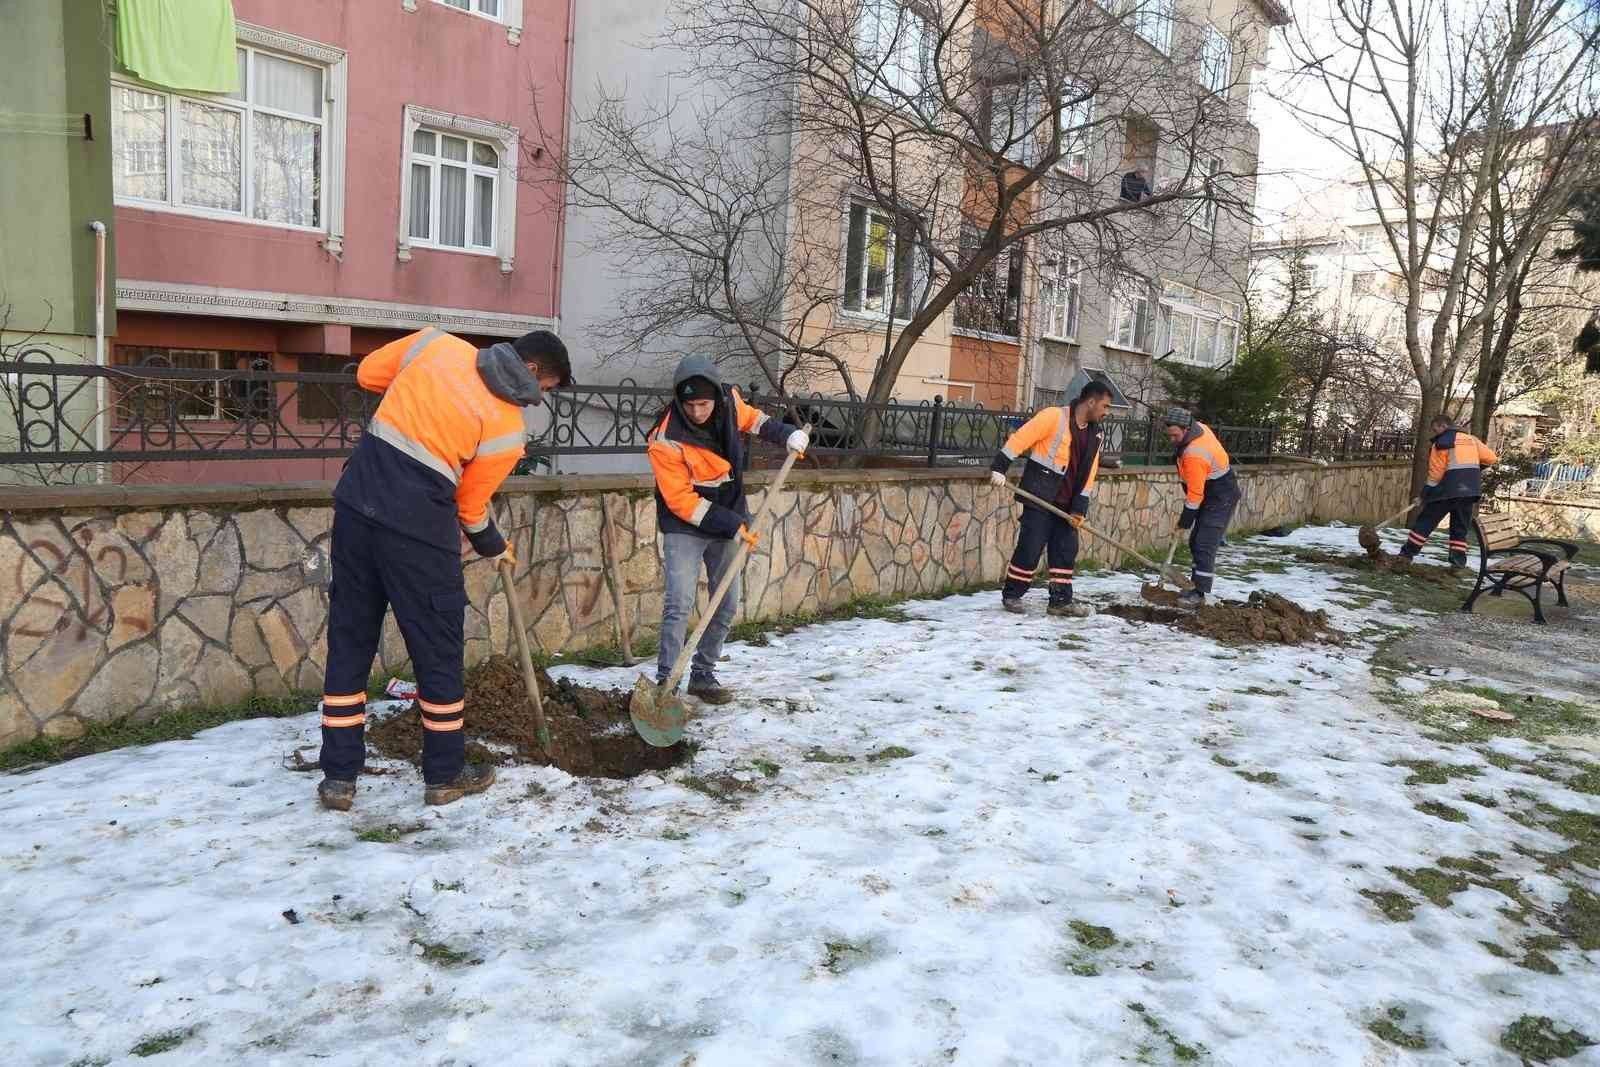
pixel 1069 609
pixel 336 795
pixel 1191 598
pixel 474 778
pixel 1401 564
pixel 1013 604
pixel 706 688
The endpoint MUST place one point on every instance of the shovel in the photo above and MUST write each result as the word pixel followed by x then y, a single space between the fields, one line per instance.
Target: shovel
pixel 541 730
pixel 1368 536
pixel 1157 594
pixel 624 631
pixel 658 712
pixel 1177 579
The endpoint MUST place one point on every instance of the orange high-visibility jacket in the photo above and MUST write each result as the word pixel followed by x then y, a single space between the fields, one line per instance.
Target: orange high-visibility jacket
pixel 1455 465
pixel 439 445
pixel 1201 460
pixel 1047 440
pixel 698 489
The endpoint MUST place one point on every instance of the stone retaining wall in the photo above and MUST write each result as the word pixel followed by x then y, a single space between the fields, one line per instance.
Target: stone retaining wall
pixel 131 600
pixel 1568 520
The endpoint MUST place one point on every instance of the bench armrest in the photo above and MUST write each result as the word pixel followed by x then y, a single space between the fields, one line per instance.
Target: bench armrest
pixel 1566 546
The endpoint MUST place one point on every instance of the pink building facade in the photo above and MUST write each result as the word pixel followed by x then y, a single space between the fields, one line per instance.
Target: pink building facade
pixel 372 175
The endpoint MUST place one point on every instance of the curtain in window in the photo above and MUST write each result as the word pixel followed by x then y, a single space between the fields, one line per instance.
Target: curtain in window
pixel 452 206
pixel 421 200
pixel 180 44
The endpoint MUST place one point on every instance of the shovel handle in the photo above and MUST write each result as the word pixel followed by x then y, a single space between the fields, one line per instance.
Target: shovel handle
pixel 528 675
pixel 1381 523
pixel 1129 549
pixel 730 574
pixel 1167 563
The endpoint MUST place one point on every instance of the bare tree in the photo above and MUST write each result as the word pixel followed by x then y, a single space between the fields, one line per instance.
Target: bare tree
pixel 961 133
pixel 1434 101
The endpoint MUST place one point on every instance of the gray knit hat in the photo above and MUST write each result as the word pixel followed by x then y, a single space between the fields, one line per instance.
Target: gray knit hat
pixel 1178 417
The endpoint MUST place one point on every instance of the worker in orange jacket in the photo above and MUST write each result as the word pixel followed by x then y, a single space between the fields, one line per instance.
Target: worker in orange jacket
pixel 451 426
pixel 1210 495
pixel 1062 445
pixel 697 454
pixel 1455 483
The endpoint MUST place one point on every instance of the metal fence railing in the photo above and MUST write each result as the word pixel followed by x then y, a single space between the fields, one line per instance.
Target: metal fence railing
pixel 232 406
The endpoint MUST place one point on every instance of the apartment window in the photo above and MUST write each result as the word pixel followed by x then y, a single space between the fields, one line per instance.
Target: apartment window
pixel 992 302
pixel 1206 217
pixel 453 191
pixel 1364 283
pixel 1150 19
pixel 458 185
pixel 894 50
pixel 1060 292
pixel 1216 60
pixel 1077 112
pixel 1196 327
pixel 1369 240
pixel 1131 309
pixel 152 401
pixel 489 9
pixel 325 401
pixel 882 272
pixel 1014 113
pixel 258 154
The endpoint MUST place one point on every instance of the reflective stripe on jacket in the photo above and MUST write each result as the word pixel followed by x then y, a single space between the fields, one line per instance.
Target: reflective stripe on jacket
pixel 698 489
pixel 1047 440
pixel 441 417
pixel 1201 460
pixel 1455 465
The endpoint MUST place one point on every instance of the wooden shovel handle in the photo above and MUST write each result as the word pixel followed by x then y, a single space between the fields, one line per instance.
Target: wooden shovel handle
pixel 528 676
pixel 1107 538
pixel 1381 523
pixel 730 574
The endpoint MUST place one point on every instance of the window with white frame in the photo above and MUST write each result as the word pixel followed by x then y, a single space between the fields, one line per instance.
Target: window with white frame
pixel 260 153
pixel 1196 327
pixel 1060 292
pixel 1370 239
pixel 1131 312
pixel 1216 60
pixel 1015 109
pixel 489 9
pixel 1077 112
pixel 1206 217
pixel 992 301
pixel 458 185
pixel 883 273
pixel 454 188
pixel 1150 19
pixel 894 50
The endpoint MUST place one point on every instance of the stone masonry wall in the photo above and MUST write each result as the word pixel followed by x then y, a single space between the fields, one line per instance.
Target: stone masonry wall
pixel 1568 520
pixel 122 601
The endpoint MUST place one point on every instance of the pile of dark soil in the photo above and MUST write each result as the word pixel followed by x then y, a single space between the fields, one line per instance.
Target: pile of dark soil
pixel 590 732
pixel 1264 618
pixel 1383 563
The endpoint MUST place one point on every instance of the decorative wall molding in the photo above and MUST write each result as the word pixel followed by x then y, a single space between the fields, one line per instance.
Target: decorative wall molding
pixel 512 17
pixel 178 299
pixel 509 141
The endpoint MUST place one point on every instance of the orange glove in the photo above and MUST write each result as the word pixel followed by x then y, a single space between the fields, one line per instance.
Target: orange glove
pixel 749 537
pixel 506 558
pixel 1077 521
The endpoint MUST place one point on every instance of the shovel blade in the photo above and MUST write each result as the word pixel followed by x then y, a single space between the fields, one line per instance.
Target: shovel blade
pixel 657 717
pixel 1156 594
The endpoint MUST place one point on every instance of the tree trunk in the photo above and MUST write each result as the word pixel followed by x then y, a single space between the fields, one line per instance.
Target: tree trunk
pixel 1432 404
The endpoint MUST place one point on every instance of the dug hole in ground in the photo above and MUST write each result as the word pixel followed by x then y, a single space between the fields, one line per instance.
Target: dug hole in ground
pixel 942 835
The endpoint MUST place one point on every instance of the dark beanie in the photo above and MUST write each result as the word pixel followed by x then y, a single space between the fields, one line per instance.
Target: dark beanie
pixel 697 389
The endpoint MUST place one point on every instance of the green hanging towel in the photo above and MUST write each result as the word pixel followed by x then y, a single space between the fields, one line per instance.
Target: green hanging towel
pixel 179 44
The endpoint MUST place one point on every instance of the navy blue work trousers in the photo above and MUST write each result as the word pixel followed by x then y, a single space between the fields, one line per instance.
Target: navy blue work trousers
pixel 376 568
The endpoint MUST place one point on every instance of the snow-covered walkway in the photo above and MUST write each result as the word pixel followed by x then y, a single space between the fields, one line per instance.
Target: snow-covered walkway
pixel 895 849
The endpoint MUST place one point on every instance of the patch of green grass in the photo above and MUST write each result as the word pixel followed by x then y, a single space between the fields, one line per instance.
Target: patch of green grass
pixel 1436 885
pixel 1257 691
pixel 890 752
pixel 1540 1039
pixel 1469 864
pixel 447 887
pixel 1432 772
pixel 1093 937
pixel 1580 917
pixel 826 676
pixel 1535 960
pixel 670 834
pixel 1223 761
pixel 90 1061
pixel 1308 820
pixel 1396 907
pixel 766 767
pixel 817 755
pixel 841 956
pixel 1084 968
pixel 180 725
pixel 437 952
pixel 719 787
pixel 391 833
pixel 1181 1051
pixel 1068 640
pixel 1495 950
pixel 156 1044
pixel 1259 777
pixel 1481 800
pixel 1441 811
pixel 1052 776
pixel 1388 1029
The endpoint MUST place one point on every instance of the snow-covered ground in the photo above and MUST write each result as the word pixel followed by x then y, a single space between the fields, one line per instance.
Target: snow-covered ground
pixel 895 911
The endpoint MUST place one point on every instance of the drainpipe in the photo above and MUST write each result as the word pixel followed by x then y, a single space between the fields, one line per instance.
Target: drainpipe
pixel 99 229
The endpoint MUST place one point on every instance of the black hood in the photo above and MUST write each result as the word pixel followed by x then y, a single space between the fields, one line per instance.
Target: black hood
pixel 507 377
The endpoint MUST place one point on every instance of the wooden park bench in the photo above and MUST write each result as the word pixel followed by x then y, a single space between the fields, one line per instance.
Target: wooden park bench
pixel 1507 560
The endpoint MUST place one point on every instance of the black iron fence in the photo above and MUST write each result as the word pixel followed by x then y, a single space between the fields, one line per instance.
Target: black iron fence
pixel 187 406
